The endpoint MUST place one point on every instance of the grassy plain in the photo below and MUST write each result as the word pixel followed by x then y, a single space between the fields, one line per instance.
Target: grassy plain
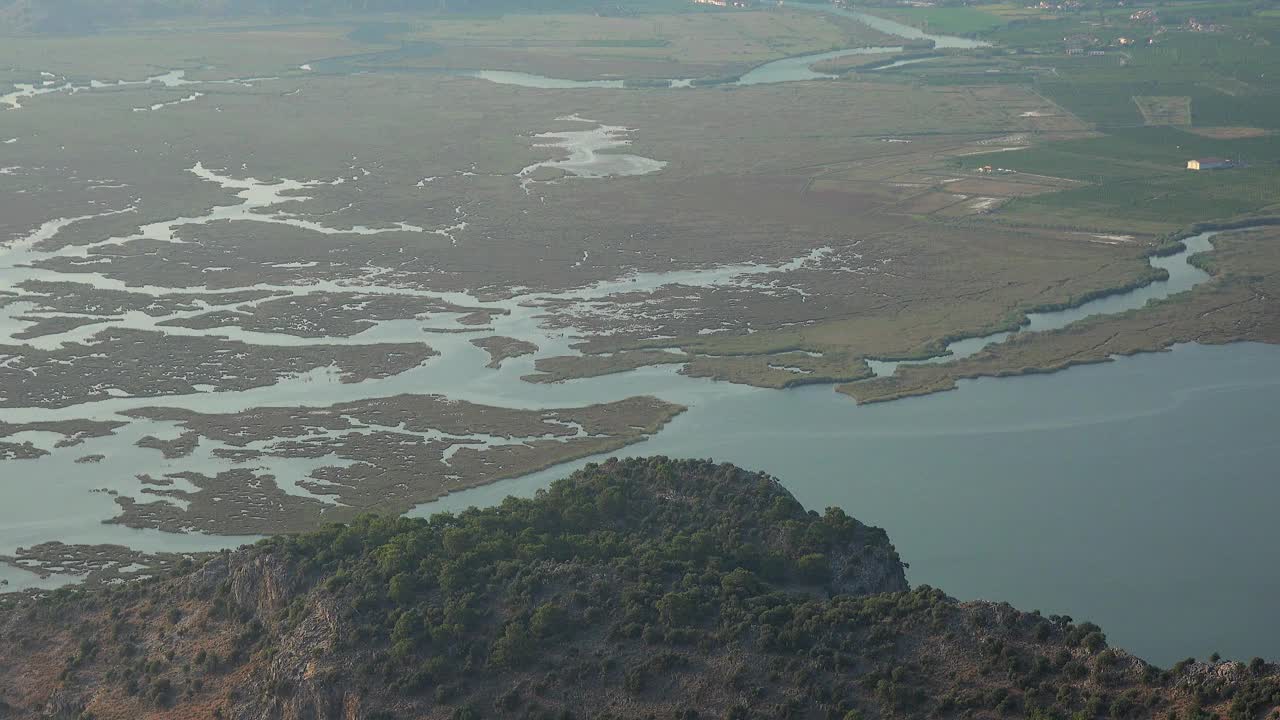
pixel 225 51
pixel 1138 179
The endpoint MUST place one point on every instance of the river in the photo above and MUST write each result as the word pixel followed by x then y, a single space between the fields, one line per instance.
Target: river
pixel 1137 494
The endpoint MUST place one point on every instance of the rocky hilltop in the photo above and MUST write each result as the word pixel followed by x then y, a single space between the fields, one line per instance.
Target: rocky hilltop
pixel 648 588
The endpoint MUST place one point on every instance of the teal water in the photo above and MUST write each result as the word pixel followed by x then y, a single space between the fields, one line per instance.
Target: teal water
pixel 800 68
pixel 893 27
pixel 1139 494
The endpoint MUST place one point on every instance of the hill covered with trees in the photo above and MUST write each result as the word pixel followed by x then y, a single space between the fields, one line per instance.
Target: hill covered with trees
pixel 646 588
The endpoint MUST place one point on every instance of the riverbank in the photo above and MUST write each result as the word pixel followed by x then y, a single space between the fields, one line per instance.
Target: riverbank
pixel 1225 295
pixel 1069 493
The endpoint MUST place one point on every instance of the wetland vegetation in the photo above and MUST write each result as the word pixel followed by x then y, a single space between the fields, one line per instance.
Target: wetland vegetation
pixel 267 265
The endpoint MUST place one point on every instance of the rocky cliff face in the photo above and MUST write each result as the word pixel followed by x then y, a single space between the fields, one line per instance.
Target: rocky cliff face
pixel 634 589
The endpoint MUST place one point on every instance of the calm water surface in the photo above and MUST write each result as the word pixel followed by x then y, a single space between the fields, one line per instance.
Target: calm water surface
pixel 1139 494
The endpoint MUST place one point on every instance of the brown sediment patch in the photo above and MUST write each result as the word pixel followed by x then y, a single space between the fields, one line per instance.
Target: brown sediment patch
pixel 21 451
pixel 178 447
pixel 325 314
pixel 503 348
pixel 233 502
pixel 226 255
pixel 781 370
pixel 236 455
pixel 74 432
pixel 55 325
pixel 455 331
pixel 84 299
pixel 769 370
pixel 389 455
pixel 142 363
pixel 479 317
pixel 568 367
pixel 845 63
pixel 96 565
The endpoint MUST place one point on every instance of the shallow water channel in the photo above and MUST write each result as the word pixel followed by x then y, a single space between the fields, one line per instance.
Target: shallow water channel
pixel 1182 276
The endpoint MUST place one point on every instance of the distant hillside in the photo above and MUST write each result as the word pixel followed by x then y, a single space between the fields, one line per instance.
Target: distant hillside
pixel 633 589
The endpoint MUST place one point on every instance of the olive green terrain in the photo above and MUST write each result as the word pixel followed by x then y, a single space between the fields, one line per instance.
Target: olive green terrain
pixel 633 589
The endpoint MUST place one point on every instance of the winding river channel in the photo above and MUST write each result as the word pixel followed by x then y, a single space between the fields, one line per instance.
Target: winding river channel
pixel 789 69
pixel 1133 493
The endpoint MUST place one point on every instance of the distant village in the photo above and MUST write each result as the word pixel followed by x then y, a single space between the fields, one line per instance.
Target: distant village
pixel 1088 44
pixel 1079 44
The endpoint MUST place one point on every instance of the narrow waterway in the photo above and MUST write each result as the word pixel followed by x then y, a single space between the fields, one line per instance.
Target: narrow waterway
pixel 801 68
pixel 1182 276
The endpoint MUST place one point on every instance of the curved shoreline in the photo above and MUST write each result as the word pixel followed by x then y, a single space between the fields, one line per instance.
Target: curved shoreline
pixel 801 62
pixel 1172 243
pixel 1058 341
pixel 1056 316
